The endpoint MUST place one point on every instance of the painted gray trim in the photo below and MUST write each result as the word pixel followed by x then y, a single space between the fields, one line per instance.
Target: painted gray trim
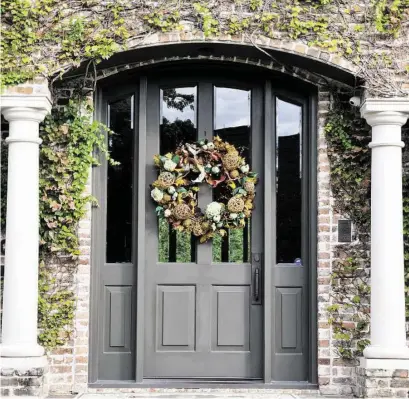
pixel 140 201
pixel 269 231
pixel 204 254
pixel 95 255
pixel 312 233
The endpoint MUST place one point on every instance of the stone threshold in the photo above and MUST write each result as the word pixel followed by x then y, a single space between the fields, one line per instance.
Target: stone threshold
pixel 204 393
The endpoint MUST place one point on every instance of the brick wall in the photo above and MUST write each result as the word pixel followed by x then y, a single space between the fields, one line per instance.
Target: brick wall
pixel 334 374
pixel 68 370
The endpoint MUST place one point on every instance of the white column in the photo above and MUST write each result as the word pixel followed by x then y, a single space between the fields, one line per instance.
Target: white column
pixel 20 300
pixel 388 333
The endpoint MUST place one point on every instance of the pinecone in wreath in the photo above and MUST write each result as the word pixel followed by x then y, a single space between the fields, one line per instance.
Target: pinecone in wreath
pixel 197 229
pixel 182 211
pixel 249 186
pixel 231 160
pixel 166 179
pixel 235 205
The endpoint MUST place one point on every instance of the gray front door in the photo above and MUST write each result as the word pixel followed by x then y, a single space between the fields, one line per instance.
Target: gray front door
pixel 164 306
pixel 202 315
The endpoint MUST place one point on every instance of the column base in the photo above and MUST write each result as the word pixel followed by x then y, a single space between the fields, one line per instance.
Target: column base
pixel 21 350
pixel 380 352
pixel 376 378
pixel 23 377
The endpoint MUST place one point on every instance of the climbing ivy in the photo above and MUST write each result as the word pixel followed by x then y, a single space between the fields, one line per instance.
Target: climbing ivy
pixel 348 137
pixel 70 138
pixel 349 157
pixel 51 37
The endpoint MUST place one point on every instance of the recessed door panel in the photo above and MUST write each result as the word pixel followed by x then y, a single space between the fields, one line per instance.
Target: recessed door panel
pixel 231 318
pixel 288 320
pixel 176 317
pixel 118 318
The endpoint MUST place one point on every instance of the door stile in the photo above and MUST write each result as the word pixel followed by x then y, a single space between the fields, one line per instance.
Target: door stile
pixel 205 131
pixel 204 252
pixel 269 224
pixel 98 191
pixel 311 245
pixel 305 215
pixel 140 168
pixel 256 247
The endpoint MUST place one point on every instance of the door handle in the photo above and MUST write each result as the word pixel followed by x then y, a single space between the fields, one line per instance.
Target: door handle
pixel 257 285
pixel 256 278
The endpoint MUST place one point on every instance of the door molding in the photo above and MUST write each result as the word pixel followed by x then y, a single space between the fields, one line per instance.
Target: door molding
pixel 309 230
pixel 140 222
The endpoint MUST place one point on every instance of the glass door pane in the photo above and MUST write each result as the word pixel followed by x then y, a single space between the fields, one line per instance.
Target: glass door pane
pixel 232 122
pixel 289 175
pixel 119 185
pixel 177 125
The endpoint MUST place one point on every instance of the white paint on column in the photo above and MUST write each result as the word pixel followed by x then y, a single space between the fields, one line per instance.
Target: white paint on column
pixel 20 300
pixel 388 332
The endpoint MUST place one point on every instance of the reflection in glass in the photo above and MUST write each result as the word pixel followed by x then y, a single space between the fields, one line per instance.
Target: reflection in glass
pixel 177 125
pixel 289 174
pixel 232 118
pixel 119 186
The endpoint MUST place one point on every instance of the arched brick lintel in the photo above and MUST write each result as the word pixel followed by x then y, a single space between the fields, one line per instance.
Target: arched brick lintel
pixel 289 57
pixel 282 45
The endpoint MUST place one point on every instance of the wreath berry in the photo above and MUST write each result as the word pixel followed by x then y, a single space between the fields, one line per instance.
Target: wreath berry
pixel 217 163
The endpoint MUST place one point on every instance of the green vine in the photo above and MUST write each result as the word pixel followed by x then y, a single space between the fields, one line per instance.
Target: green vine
pixel 164 20
pixel 69 139
pixel 208 23
pixel 51 37
pixel 389 15
pixel 348 138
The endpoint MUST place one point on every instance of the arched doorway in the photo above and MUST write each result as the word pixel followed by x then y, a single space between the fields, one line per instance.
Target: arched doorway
pixel 238 309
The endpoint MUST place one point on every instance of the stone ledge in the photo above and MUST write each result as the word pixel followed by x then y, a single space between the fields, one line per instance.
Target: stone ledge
pixel 381 383
pixel 23 379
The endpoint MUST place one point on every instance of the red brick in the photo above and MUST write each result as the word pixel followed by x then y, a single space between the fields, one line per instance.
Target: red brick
pixel 60 369
pixel 400 373
pixel 323 380
pixel 62 351
pixel 81 359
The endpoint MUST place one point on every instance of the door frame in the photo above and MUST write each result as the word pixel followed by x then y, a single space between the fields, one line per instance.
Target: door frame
pixel 274 84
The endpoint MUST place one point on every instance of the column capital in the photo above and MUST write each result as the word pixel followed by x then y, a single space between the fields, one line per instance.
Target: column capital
pixel 26 102
pixel 386 111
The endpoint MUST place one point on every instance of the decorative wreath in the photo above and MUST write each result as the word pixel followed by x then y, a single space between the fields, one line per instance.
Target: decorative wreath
pixel 220 165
